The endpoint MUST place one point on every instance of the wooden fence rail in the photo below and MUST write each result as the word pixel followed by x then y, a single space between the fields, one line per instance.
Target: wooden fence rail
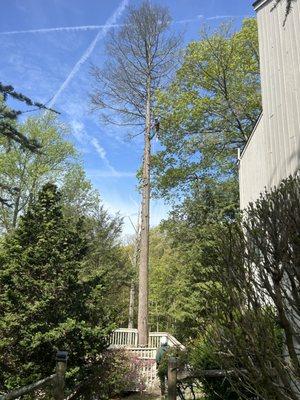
pixel 175 376
pixel 57 380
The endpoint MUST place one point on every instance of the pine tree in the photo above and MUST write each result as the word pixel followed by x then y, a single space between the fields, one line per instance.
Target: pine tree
pixel 45 304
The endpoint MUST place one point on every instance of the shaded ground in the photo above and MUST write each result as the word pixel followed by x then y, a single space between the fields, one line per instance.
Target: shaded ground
pixel 155 396
pixel 143 396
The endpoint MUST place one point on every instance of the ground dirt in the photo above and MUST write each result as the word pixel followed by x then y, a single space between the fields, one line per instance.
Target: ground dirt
pixel 143 396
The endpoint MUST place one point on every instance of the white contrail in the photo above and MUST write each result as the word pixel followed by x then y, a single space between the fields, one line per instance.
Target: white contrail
pixel 112 172
pixel 184 21
pixel 59 29
pixel 225 17
pixel 111 21
pixel 199 17
pixel 96 27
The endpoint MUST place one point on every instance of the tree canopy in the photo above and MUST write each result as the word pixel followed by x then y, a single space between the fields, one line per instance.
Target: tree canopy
pixel 10 134
pixel 28 171
pixel 209 110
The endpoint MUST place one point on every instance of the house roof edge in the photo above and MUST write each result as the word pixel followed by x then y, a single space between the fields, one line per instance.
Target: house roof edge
pixel 259 3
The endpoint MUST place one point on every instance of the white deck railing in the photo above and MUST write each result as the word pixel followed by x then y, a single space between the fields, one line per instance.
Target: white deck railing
pixel 145 359
pixel 126 337
pixel 155 337
pixel 144 356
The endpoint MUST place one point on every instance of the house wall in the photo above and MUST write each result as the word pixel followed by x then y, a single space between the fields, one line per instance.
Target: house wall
pixel 273 151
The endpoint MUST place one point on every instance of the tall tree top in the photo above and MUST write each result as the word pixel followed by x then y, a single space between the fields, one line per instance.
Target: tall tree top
pixel 141 54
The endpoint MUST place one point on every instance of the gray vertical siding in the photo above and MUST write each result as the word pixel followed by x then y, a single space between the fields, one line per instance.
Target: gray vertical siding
pixel 273 151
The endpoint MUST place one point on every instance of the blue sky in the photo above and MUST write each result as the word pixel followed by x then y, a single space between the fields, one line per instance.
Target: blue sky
pixel 46 49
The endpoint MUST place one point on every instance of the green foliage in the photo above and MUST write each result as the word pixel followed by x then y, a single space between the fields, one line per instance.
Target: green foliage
pixel 230 346
pixel 203 356
pixel 9 133
pixel 179 265
pixel 209 110
pixel 45 303
pixel 169 289
pixel 107 260
pixel 254 268
pixel 115 375
pixel 79 198
pixel 28 171
pixel 182 359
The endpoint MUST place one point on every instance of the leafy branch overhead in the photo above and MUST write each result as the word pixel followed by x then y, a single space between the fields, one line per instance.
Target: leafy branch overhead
pixel 9 116
pixel 10 132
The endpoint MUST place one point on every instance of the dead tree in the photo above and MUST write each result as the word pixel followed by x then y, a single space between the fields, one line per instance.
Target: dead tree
pixel 141 55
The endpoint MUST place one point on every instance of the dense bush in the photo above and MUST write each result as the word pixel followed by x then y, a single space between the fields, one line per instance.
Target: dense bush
pixel 46 303
pixel 202 356
pixel 255 270
pixel 116 374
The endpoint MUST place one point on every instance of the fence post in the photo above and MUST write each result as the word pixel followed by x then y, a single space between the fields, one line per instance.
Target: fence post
pixel 172 378
pixel 59 382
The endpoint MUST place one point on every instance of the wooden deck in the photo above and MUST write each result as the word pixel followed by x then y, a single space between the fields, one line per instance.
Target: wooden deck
pixel 127 338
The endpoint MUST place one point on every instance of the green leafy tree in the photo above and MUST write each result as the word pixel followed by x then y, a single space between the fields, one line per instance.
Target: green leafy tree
pixel 78 195
pixel 169 286
pixel 209 110
pixel 107 257
pixel 203 356
pixel 46 302
pixel 11 134
pixel 28 171
pixel 108 260
pixel 179 259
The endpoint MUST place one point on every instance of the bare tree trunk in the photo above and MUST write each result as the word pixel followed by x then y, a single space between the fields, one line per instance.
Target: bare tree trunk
pixel 131 305
pixel 134 263
pixel 142 54
pixel 144 254
pixel 16 211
